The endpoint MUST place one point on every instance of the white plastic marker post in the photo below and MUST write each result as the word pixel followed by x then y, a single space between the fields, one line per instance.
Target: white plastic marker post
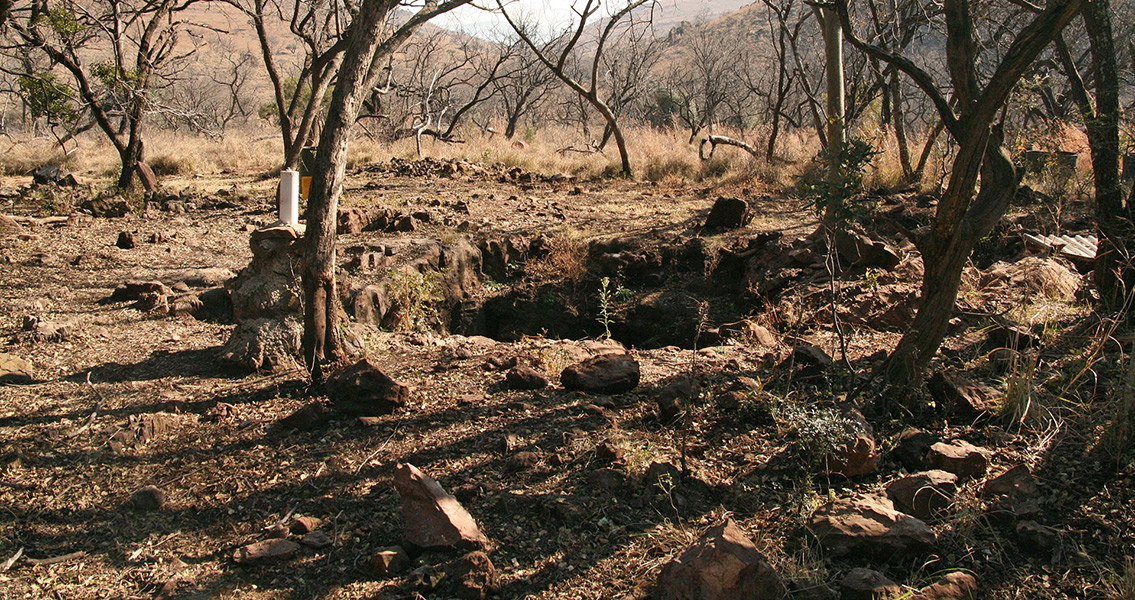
pixel 289 197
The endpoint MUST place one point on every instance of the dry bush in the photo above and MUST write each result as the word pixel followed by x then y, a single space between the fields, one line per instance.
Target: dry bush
pixel 24 156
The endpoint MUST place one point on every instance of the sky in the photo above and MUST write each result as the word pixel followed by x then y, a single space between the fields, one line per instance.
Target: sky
pixel 553 15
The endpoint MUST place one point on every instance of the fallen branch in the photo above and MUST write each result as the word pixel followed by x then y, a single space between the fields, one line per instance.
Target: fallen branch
pixel 4 566
pixel 39 562
pixel 37 220
pixel 713 142
pixel 17 486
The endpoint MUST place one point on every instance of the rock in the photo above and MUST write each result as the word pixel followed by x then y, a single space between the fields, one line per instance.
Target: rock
pixel 953 586
pixel 924 495
pixel 607 373
pixel 53 331
pixel 962 396
pixel 265 551
pixel 317 540
pixel 607 453
pixel 471 577
pixel 1017 483
pixel 307 418
pixel 372 304
pixel 389 561
pixel 960 458
pixel 860 251
pixel 869 526
pixel 363 389
pixel 809 360
pixel 911 447
pixel 125 240
pixel 662 476
pixel 523 377
pixel 728 213
pixel 673 398
pixel 524 460
pixel 47 174
pixel 1035 276
pixel 607 479
pixel 352 221
pixel 433 518
pixel 106 208
pixel 866 584
pixel 1036 538
pixel 305 525
pixel 148 498
pixel 723 564
pixel 859 456
pixel 14 369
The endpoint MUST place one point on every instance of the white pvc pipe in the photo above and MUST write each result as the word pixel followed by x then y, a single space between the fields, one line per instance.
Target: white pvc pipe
pixel 289 200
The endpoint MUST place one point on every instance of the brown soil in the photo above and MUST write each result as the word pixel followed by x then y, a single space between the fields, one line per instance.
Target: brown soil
pixel 229 471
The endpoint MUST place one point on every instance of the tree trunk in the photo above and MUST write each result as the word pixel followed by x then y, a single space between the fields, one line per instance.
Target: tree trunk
pixel 898 118
pixel 1114 271
pixel 322 341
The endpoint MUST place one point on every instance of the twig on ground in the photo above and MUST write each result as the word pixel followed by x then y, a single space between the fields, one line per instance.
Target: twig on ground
pixel 99 399
pixel 4 566
pixel 39 562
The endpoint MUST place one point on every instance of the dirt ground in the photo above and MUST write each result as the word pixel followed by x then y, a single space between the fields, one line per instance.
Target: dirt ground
pixel 523 463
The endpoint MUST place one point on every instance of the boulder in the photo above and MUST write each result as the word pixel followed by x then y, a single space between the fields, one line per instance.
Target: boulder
pixel 522 377
pixel 106 208
pixel 866 584
pixel 1017 483
pixel 673 398
pixel 953 586
pixel 869 526
pixel 307 418
pixel 471 577
pixel 728 213
pixel 962 396
pixel 960 458
pixel 265 551
pixel 433 518
pixel 858 250
pixel 305 525
pixel 125 240
pixel 911 447
pixel 924 495
pixel 363 389
pixel 606 373
pixel 859 455
pixel 372 305
pixel 723 564
pixel 1036 538
pixel 14 369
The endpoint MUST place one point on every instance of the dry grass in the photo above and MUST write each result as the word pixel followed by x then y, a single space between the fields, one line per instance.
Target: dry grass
pixel 663 156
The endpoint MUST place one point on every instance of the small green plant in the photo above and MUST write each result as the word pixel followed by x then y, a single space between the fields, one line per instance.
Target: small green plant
pixel 871 278
pixel 1020 395
pixel 605 296
pixel 821 431
pixel 1121 585
pixel 415 297
pixel 831 189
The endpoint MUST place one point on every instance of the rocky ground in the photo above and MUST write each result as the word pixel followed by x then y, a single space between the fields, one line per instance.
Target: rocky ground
pixel 711 448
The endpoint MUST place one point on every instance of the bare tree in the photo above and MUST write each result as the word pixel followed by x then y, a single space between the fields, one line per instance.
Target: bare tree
pixel 369 43
pixel 523 87
pixel 318 29
pixel 142 39
pixel 1115 218
pixel 964 215
pixel 555 54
